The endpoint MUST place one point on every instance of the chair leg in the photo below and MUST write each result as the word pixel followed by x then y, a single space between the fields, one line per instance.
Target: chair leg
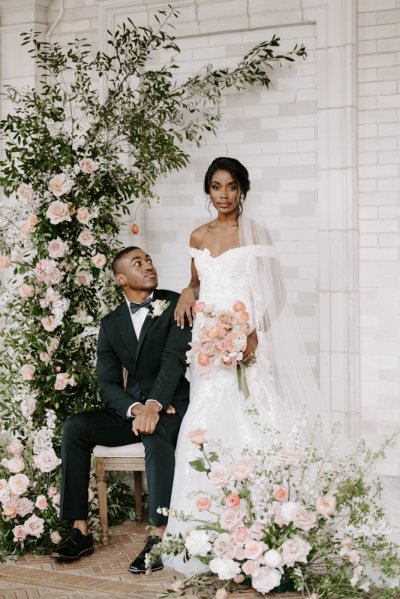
pixel 137 478
pixel 102 493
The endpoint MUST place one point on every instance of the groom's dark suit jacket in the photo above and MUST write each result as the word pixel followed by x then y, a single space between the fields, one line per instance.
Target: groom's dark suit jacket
pixel 155 362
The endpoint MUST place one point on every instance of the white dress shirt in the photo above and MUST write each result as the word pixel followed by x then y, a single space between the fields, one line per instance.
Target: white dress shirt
pixel 137 321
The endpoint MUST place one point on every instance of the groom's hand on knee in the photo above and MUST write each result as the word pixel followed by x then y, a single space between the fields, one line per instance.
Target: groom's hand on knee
pixel 145 422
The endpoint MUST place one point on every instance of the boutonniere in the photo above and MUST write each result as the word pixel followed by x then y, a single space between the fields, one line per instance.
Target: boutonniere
pixel 158 307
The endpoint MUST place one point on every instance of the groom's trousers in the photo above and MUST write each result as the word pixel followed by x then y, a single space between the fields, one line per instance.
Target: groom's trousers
pixel 105 427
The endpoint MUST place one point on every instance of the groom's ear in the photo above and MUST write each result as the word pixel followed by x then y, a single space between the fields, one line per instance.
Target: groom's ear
pixel 120 279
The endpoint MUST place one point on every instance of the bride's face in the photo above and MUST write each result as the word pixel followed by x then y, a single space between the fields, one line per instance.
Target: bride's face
pixel 224 192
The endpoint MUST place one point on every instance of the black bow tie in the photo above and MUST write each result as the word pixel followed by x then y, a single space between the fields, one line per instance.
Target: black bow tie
pixel 135 307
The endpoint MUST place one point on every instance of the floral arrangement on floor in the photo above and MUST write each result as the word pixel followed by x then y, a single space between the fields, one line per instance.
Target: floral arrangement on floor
pixel 290 517
pixel 90 141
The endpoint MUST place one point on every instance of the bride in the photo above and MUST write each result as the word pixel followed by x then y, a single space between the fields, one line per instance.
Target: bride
pixel 234 260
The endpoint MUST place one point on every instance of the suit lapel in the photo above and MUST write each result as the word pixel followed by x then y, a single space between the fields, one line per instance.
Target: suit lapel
pixel 148 323
pixel 125 327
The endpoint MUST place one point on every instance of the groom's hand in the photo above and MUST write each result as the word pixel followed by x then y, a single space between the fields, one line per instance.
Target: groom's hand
pixel 145 422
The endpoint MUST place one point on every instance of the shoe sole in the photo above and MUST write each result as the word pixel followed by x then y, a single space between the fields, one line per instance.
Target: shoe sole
pixel 67 558
pixel 156 569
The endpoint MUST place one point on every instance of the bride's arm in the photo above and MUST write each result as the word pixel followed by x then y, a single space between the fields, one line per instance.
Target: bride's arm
pixel 187 300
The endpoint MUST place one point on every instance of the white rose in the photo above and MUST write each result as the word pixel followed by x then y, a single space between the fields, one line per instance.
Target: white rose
pixel 265 579
pixel 18 484
pixel 25 192
pixel 198 543
pixel 286 511
pixel 24 506
pixel 60 185
pixel 15 448
pixel 83 215
pixel 47 460
pixel 223 545
pixel 19 533
pixel 304 519
pixel 57 248
pixel 273 559
pixel 58 212
pixel 87 165
pixel 86 238
pixel 34 526
pixel 99 260
pixel 14 465
pixel 220 475
pixel 83 278
pixel 224 568
pixel 28 406
pixel 295 550
pixel 41 502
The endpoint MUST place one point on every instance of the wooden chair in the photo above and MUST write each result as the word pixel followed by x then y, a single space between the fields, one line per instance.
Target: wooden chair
pixel 128 458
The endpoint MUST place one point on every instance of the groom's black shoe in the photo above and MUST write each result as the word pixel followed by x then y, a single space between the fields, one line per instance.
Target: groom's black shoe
pixel 138 566
pixel 74 547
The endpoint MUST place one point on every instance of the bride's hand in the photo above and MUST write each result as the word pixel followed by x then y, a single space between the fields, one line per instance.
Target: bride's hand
pixel 184 307
pixel 249 354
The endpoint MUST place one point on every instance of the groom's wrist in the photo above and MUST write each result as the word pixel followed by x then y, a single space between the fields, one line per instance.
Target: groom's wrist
pixel 153 405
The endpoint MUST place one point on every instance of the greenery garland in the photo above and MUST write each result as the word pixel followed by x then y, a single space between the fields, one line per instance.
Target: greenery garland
pixel 92 140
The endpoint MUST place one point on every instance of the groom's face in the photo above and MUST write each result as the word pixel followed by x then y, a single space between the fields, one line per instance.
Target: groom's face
pixel 137 272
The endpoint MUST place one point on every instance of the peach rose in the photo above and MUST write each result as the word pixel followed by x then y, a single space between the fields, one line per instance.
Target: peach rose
pixel 26 291
pixel 86 238
pixel 28 372
pixel 49 323
pixel 203 504
pixel 60 185
pixel 41 502
pixel 99 260
pixel 18 484
pixel 83 215
pixel 19 533
pixel 280 494
pixel 326 505
pixel 232 500
pixel 4 262
pixel 88 166
pixel 25 192
pixel 225 318
pixel 9 510
pixel 239 307
pixel 197 436
pixel 203 359
pixel 58 212
pixel 57 248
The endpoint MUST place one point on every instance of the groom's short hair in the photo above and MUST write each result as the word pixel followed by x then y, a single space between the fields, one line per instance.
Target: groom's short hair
pixel 121 254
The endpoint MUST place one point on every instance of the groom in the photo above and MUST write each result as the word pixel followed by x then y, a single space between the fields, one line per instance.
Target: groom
pixel 147 404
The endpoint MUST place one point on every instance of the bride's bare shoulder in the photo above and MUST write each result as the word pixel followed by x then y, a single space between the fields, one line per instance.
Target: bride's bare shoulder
pixel 197 236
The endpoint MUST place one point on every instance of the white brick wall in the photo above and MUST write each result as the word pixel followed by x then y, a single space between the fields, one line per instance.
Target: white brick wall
pixel 340 250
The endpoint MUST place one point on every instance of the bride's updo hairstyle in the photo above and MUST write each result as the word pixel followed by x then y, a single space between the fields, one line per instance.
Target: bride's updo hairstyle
pixel 239 174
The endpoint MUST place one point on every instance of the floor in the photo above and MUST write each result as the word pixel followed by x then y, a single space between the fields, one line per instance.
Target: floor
pixel 101 575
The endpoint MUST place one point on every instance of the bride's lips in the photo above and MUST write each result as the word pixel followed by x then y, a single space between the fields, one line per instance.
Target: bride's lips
pixel 223 205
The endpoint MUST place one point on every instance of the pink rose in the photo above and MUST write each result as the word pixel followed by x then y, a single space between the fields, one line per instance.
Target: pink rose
pixel 99 260
pixel 257 530
pixel 88 166
pixel 49 323
pixel 46 460
pixel 15 448
pixel 249 567
pixel 34 526
pixel 15 464
pixel 241 470
pixel 203 504
pixel 199 307
pixel 26 291
pixel 41 502
pixel 19 533
pixel 18 484
pixel 60 185
pixel 58 212
pixel 231 518
pixel 326 505
pixel 9 510
pixel 53 345
pixel 83 278
pixel 56 499
pixel 239 552
pixel 219 475
pixel 86 238
pixel 55 537
pixel 197 436
pixel 83 215
pixel 241 534
pixel 4 262
pixel 232 500
pixel 304 519
pixel 51 491
pixel 24 506
pixel 280 494
pixel 25 192
pixel 44 357
pixel 253 549
pixel 57 248
pixel 28 372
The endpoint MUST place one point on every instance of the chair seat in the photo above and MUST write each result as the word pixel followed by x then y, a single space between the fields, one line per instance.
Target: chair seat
pixel 135 450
